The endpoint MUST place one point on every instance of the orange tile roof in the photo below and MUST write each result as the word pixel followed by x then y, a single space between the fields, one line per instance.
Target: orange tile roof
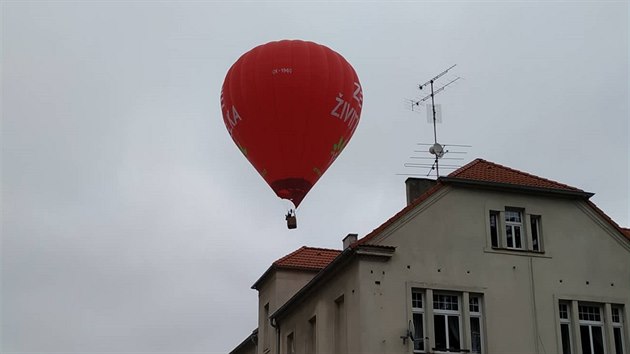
pixel 486 171
pixel 307 258
pixel 304 258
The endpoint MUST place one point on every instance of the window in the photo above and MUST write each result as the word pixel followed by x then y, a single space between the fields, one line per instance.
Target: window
pixel 311 344
pixel 290 344
pixel 617 324
pixel 266 327
pixel 340 338
pixel 475 324
pixel 534 221
pixel 494 228
pixel 591 329
pixel 417 309
pixel 565 327
pixel 591 337
pixel 513 229
pixel 446 322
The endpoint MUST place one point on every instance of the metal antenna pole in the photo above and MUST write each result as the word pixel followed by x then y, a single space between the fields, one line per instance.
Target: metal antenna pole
pixel 437 166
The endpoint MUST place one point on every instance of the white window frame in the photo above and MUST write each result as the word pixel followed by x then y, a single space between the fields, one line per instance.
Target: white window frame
pixel 420 311
pixel 618 324
pixel 513 225
pixel 504 221
pixel 592 323
pixel 446 314
pixel 476 314
pixel 534 225
pixel 565 321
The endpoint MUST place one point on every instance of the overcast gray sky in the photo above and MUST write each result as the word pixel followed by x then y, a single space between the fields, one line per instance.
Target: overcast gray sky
pixel 132 223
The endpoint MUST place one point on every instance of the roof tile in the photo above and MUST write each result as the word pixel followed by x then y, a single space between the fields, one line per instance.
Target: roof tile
pixel 485 171
pixel 307 258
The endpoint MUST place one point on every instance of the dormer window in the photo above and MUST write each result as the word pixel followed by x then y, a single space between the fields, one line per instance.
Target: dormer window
pixel 514 229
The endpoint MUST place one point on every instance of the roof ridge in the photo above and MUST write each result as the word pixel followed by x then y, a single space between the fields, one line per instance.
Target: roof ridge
pixel 321 248
pixel 466 166
pixel 454 174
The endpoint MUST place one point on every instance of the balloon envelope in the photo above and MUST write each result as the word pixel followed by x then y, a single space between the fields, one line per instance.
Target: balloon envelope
pixel 291 107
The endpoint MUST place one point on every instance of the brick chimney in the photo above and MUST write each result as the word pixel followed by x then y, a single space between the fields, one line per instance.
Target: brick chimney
pixel 348 240
pixel 417 186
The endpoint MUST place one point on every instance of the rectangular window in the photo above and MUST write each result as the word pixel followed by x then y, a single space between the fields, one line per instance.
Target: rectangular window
pixel 290 344
pixel 446 322
pixel 340 338
pixel 417 310
pixel 535 232
pixel 617 323
pixel 494 228
pixel 513 229
pixel 311 344
pixel 266 334
pixel 565 327
pixel 591 329
pixel 475 324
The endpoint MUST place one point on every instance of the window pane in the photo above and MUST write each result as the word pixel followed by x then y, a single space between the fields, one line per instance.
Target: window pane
pixel 566 339
pixel 439 325
pixel 508 235
pixel 474 304
pixel 585 339
pixel 517 236
pixel 598 341
pixel 564 311
pixel 453 333
pixel 618 340
pixel 494 236
pixel 475 334
pixel 416 300
pixel 616 318
pixel 535 223
pixel 589 313
pixel 418 333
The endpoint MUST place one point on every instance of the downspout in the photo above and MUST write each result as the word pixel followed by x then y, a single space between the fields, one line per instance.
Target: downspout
pixel 276 325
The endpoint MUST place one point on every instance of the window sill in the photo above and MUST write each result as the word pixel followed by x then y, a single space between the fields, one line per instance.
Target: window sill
pixel 517 252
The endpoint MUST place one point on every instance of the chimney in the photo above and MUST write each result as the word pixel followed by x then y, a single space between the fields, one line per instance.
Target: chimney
pixel 348 240
pixel 417 186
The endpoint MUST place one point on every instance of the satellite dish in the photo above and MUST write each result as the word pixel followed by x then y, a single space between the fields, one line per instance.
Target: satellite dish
pixel 437 150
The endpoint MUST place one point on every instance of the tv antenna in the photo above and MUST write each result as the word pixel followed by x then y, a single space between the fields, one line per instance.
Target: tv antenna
pixel 435 116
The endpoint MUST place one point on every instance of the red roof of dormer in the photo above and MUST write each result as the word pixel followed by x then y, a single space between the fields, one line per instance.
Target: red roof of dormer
pixel 310 259
pixel 307 258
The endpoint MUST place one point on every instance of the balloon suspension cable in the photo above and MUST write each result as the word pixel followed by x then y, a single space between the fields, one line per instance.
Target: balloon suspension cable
pixel 291 219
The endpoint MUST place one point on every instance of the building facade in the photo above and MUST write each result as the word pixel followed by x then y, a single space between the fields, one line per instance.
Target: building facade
pixel 486 260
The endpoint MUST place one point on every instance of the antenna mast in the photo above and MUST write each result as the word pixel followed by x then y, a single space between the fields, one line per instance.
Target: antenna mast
pixel 436 149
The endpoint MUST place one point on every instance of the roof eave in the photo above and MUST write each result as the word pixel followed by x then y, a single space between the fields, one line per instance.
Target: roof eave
pixel 517 188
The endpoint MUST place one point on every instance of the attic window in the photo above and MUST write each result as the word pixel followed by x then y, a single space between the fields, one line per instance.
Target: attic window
pixel 515 230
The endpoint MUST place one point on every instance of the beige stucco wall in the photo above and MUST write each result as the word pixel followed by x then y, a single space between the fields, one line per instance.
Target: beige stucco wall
pixel 279 287
pixel 444 245
pixel 322 305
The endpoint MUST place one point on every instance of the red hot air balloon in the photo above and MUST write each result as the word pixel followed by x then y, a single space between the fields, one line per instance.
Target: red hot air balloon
pixel 291 107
